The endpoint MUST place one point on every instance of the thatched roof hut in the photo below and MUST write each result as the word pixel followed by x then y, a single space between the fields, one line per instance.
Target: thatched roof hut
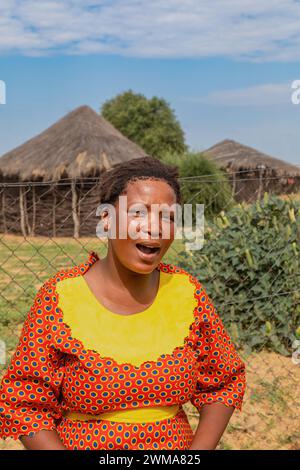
pixel 252 171
pixel 49 184
pixel 238 157
pixel 81 144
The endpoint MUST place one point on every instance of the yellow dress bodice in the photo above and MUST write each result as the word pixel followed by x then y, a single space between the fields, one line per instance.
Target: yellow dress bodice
pixel 134 338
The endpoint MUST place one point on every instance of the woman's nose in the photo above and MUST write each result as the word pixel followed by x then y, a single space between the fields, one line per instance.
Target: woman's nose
pixel 152 226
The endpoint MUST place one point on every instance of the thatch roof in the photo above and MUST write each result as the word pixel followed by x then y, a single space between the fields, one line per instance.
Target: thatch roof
pixel 80 144
pixel 234 157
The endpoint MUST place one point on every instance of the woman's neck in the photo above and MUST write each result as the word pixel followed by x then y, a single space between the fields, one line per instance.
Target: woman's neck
pixel 121 289
pixel 124 285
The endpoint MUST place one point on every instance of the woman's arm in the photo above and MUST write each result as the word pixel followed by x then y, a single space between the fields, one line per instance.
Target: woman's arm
pixel 212 424
pixel 43 440
pixel 221 377
pixel 31 386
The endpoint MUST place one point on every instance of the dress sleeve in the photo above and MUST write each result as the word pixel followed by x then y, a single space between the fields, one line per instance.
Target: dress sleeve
pixel 30 388
pixel 220 370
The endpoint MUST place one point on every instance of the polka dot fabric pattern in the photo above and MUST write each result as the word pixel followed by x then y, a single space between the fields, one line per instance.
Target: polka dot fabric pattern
pixel 52 372
pixel 171 433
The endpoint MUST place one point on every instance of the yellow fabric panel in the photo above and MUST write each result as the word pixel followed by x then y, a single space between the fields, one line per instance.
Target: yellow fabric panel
pixel 139 415
pixel 132 338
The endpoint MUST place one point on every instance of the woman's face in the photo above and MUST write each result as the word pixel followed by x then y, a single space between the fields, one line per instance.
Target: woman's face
pixel 148 230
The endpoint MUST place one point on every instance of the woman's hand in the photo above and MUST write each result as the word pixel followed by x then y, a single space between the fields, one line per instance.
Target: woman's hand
pixel 212 424
pixel 43 440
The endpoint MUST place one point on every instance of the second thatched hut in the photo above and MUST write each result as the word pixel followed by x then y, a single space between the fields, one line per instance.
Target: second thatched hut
pixel 252 172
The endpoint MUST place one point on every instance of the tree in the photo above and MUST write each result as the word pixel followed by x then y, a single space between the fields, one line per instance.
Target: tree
pixel 150 123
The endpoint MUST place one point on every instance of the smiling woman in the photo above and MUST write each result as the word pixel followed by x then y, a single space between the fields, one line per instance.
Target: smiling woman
pixel 112 348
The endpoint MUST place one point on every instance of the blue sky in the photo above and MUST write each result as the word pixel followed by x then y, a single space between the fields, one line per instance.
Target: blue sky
pixel 225 66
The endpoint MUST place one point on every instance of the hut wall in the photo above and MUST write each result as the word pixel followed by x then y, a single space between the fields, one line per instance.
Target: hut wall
pixel 53 203
pixel 248 186
pixel 10 217
pixel 53 209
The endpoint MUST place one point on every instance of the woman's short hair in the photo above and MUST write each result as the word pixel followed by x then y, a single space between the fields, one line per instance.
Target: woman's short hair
pixel 113 182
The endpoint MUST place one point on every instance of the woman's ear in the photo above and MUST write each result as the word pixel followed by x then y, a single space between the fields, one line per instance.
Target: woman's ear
pixel 106 225
pixel 102 225
pixel 105 220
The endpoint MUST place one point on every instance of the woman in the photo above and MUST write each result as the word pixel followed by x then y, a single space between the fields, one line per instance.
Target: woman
pixel 112 348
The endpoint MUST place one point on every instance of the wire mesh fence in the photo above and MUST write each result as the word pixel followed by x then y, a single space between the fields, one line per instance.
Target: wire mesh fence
pixel 48 226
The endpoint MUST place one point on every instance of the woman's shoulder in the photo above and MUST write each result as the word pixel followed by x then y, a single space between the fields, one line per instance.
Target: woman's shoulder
pixel 182 281
pixel 70 272
pixel 46 300
pixel 177 271
pixel 185 282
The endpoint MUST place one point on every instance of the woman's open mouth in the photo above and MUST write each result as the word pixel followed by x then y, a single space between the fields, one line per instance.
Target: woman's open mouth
pixel 148 250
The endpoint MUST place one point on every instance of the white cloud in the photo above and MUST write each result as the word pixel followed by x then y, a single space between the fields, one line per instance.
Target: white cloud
pixel 260 95
pixel 256 30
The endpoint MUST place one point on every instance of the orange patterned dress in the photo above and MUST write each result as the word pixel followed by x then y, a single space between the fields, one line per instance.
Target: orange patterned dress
pixel 110 381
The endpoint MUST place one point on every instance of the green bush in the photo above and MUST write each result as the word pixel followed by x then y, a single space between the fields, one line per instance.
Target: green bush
pixel 202 182
pixel 250 268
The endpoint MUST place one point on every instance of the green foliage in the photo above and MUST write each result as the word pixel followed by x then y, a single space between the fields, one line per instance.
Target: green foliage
pixel 150 123
pixel 202 182
pixel 250 268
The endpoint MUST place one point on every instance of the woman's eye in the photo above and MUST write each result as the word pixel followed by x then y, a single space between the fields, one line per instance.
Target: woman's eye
pixel 142 213
pixel 137 213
